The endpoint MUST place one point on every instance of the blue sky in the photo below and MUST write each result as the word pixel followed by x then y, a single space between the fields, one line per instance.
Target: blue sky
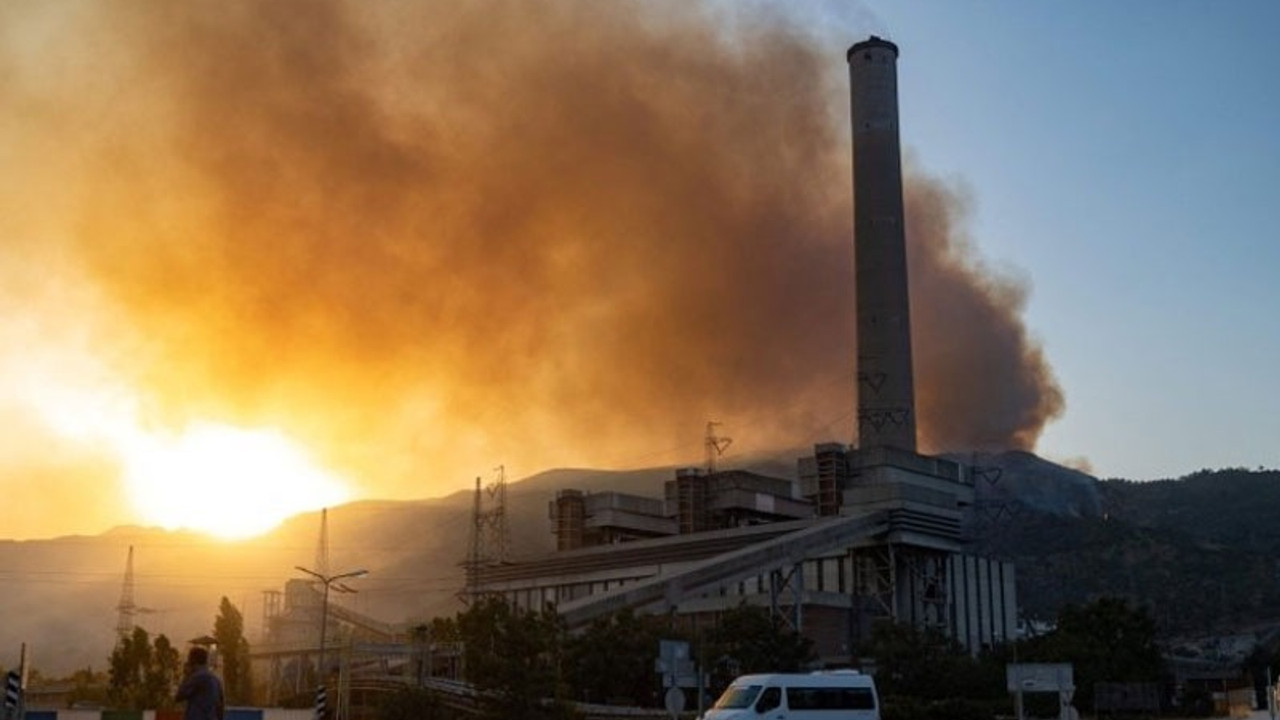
pixel 1124 159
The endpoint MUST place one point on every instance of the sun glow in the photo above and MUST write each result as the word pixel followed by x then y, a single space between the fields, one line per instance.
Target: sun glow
pixel 226 481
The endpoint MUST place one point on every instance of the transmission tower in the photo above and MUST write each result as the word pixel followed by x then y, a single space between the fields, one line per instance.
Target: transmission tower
pixel 322 554
pixel 715 445
pixel 322 547
pixel 490 533
pixel 126 609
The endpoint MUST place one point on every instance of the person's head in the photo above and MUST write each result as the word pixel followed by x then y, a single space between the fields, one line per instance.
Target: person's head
pixel 198 656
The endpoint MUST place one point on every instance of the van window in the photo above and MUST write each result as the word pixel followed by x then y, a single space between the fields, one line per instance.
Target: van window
pixel 812 698
pixel 737 697
pixel 769 699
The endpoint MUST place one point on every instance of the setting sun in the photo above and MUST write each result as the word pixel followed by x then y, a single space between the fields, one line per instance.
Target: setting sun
pixel 229 481
pixel 226 481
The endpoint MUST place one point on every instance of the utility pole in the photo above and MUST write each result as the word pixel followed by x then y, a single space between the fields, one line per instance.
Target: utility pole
pixel 327 580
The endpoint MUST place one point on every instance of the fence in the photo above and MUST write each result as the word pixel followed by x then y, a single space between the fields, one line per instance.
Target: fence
pixel 232 714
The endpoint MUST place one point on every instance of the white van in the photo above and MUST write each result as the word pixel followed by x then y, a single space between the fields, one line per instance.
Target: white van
pixel 830 695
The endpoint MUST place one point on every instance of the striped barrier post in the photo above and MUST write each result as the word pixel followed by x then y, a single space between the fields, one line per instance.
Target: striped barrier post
pixel 12 694
pixel 322 703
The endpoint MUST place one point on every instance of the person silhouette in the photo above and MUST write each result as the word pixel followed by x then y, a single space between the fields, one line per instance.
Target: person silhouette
pixel 201 690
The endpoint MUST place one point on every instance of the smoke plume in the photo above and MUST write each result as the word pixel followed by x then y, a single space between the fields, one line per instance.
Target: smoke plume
pixel 429 238
pixel 981 382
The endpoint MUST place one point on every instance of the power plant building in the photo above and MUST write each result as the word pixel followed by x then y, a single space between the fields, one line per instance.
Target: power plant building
pixel 868 533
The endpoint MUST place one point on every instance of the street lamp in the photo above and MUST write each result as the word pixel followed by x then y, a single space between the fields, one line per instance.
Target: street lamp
pixel 328 580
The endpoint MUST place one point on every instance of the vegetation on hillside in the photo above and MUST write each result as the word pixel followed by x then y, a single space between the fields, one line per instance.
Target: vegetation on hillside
pixel 1230 509
pixel 1198 554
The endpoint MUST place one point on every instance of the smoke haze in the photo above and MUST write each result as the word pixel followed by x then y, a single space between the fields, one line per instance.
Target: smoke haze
pixel 429 238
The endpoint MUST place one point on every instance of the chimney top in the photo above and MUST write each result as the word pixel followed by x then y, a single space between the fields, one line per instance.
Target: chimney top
pixel 875 41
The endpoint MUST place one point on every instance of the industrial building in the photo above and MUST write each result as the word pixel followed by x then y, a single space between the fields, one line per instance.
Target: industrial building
pixel 891 547
pixel 868 533
pixel 288 655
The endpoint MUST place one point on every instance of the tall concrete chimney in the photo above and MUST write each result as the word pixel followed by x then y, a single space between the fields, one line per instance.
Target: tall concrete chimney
pixel 886 394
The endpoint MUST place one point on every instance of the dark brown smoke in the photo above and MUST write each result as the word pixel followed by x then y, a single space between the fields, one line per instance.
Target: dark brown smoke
pixel 981 382
pixel 428 238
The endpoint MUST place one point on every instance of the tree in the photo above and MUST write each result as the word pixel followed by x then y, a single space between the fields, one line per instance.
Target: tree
pixel 233 650
pixel 162 676
pixel 410 704
pixel 90 687
pixel 612 660
pixel 1105 641
pixel 749 639
pixel 444 630
pixel 514 657
pixel 935 672
pixel 911 661
pixel 127 664
pixel 142 676
pixel 443 635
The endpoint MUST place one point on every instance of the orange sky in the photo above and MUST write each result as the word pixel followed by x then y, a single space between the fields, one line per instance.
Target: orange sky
pixel 424 239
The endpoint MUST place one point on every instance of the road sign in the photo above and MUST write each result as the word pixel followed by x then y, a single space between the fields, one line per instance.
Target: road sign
pixel 1039 677
pixel 674 701
pixel 675 665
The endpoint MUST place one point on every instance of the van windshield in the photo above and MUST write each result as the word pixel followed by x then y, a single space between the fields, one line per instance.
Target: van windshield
pixel 737 696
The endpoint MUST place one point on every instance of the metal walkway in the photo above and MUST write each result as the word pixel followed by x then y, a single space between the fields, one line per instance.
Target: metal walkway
pixel 667 590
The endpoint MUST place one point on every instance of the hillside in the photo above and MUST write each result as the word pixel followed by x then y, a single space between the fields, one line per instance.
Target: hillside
pixel 1233 508
pixel 1198 551
pixel 64 592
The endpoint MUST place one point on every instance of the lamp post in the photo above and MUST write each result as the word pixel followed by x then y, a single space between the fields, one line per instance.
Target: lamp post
pixel 327 580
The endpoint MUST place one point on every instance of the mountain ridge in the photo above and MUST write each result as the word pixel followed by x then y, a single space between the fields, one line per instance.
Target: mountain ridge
pixel 1072 536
